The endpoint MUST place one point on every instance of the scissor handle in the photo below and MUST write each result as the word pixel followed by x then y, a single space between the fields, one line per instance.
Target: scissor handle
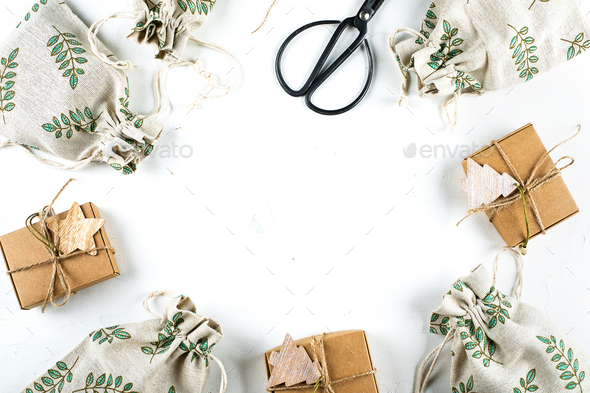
pixel 318 66
pixel 317 77
pixel 327 74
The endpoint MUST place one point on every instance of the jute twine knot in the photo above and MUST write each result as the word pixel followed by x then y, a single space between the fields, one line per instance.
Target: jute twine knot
pixel 51 242
pixel 319 356
pixel 527 186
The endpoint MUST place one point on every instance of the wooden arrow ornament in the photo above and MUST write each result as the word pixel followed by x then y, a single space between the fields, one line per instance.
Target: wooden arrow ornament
pixel 292 365
pixel 76 232
pixel 485 185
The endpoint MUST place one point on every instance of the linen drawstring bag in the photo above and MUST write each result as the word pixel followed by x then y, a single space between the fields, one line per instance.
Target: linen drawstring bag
pixel 64 93
pixel 168 354
pixel 501 344
pixel 476 46
pixel 169 24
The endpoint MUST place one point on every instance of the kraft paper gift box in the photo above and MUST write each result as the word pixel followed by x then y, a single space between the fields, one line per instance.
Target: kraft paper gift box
pixel 347 355
pixel 554 202
pixel 21 248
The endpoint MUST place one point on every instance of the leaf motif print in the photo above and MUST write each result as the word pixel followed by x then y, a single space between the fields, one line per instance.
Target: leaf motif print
pixel 465 387
pixel 428 24
pixel 66 51
pixel 166 338
pixel 577 46
pixel 523 53
pixel 75 121
pixel 497 307
pixel 137 122
pixel 200 349
pixel 567 365
pixel 463 81
pixel 105 384
pixel 154 7
pixel 7 83
pixel 438 324
pixel 108 334
pixel 446 52
pixel 35 8
pixel 199 6
pixel 55 379
pixel 459 286
pixel 477 341
pixel 534 1
pixel 126 170
pixel 527 384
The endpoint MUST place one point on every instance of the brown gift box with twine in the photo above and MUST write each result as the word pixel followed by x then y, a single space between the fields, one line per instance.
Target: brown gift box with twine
pixel 344 361
pixel 548 200
pixel 81 270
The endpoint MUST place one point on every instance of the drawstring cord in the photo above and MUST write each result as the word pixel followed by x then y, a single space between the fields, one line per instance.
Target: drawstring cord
pixel 421 379
pixel 517 291
pixel 92 38
pixel 212 83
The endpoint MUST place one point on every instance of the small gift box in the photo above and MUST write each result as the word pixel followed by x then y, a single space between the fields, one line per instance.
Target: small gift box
pixel 343 363
pixel 85 257
pixel 522 156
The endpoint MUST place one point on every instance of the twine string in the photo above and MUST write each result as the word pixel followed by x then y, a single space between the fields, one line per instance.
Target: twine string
pixel 266 16
pixel 51 243
pixel 319 356
pixel 525 244
pixel 518 286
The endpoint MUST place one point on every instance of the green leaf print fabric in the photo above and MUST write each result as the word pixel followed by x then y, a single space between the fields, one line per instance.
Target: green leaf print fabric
pixel 485 45
pixel 501 344
pixel 168 24
pixel 171 353
pixel 58 97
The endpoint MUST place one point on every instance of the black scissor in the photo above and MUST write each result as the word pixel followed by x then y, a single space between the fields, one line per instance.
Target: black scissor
pixel 360 21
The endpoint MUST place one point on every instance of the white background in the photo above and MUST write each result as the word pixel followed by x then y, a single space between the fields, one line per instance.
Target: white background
pixel 287 221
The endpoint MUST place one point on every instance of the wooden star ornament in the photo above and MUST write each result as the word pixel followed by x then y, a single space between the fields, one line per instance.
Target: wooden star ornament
pixel 76 232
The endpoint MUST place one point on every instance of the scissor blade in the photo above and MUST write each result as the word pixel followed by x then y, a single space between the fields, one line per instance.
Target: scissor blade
pixel 368 10
pixel 376 4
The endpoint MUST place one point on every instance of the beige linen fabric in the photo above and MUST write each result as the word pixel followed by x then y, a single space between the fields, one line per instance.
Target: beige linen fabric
pixel 501 344
pixel 169 24
pixel 170 354
pixel 485 45
pixel 60 98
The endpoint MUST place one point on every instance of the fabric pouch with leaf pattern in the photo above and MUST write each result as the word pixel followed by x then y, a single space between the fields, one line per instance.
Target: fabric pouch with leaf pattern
pixel 169 354
pixel 486 45
pixel 501 344
pixel 58 97
pixel 169 24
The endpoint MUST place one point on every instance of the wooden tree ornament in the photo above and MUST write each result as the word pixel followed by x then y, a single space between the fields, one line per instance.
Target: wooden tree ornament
pixel 485 185
pixel 292 365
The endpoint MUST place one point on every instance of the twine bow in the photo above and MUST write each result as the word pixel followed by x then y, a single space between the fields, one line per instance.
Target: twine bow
pixel 51 242
pixel 527 186
pixel 319 356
